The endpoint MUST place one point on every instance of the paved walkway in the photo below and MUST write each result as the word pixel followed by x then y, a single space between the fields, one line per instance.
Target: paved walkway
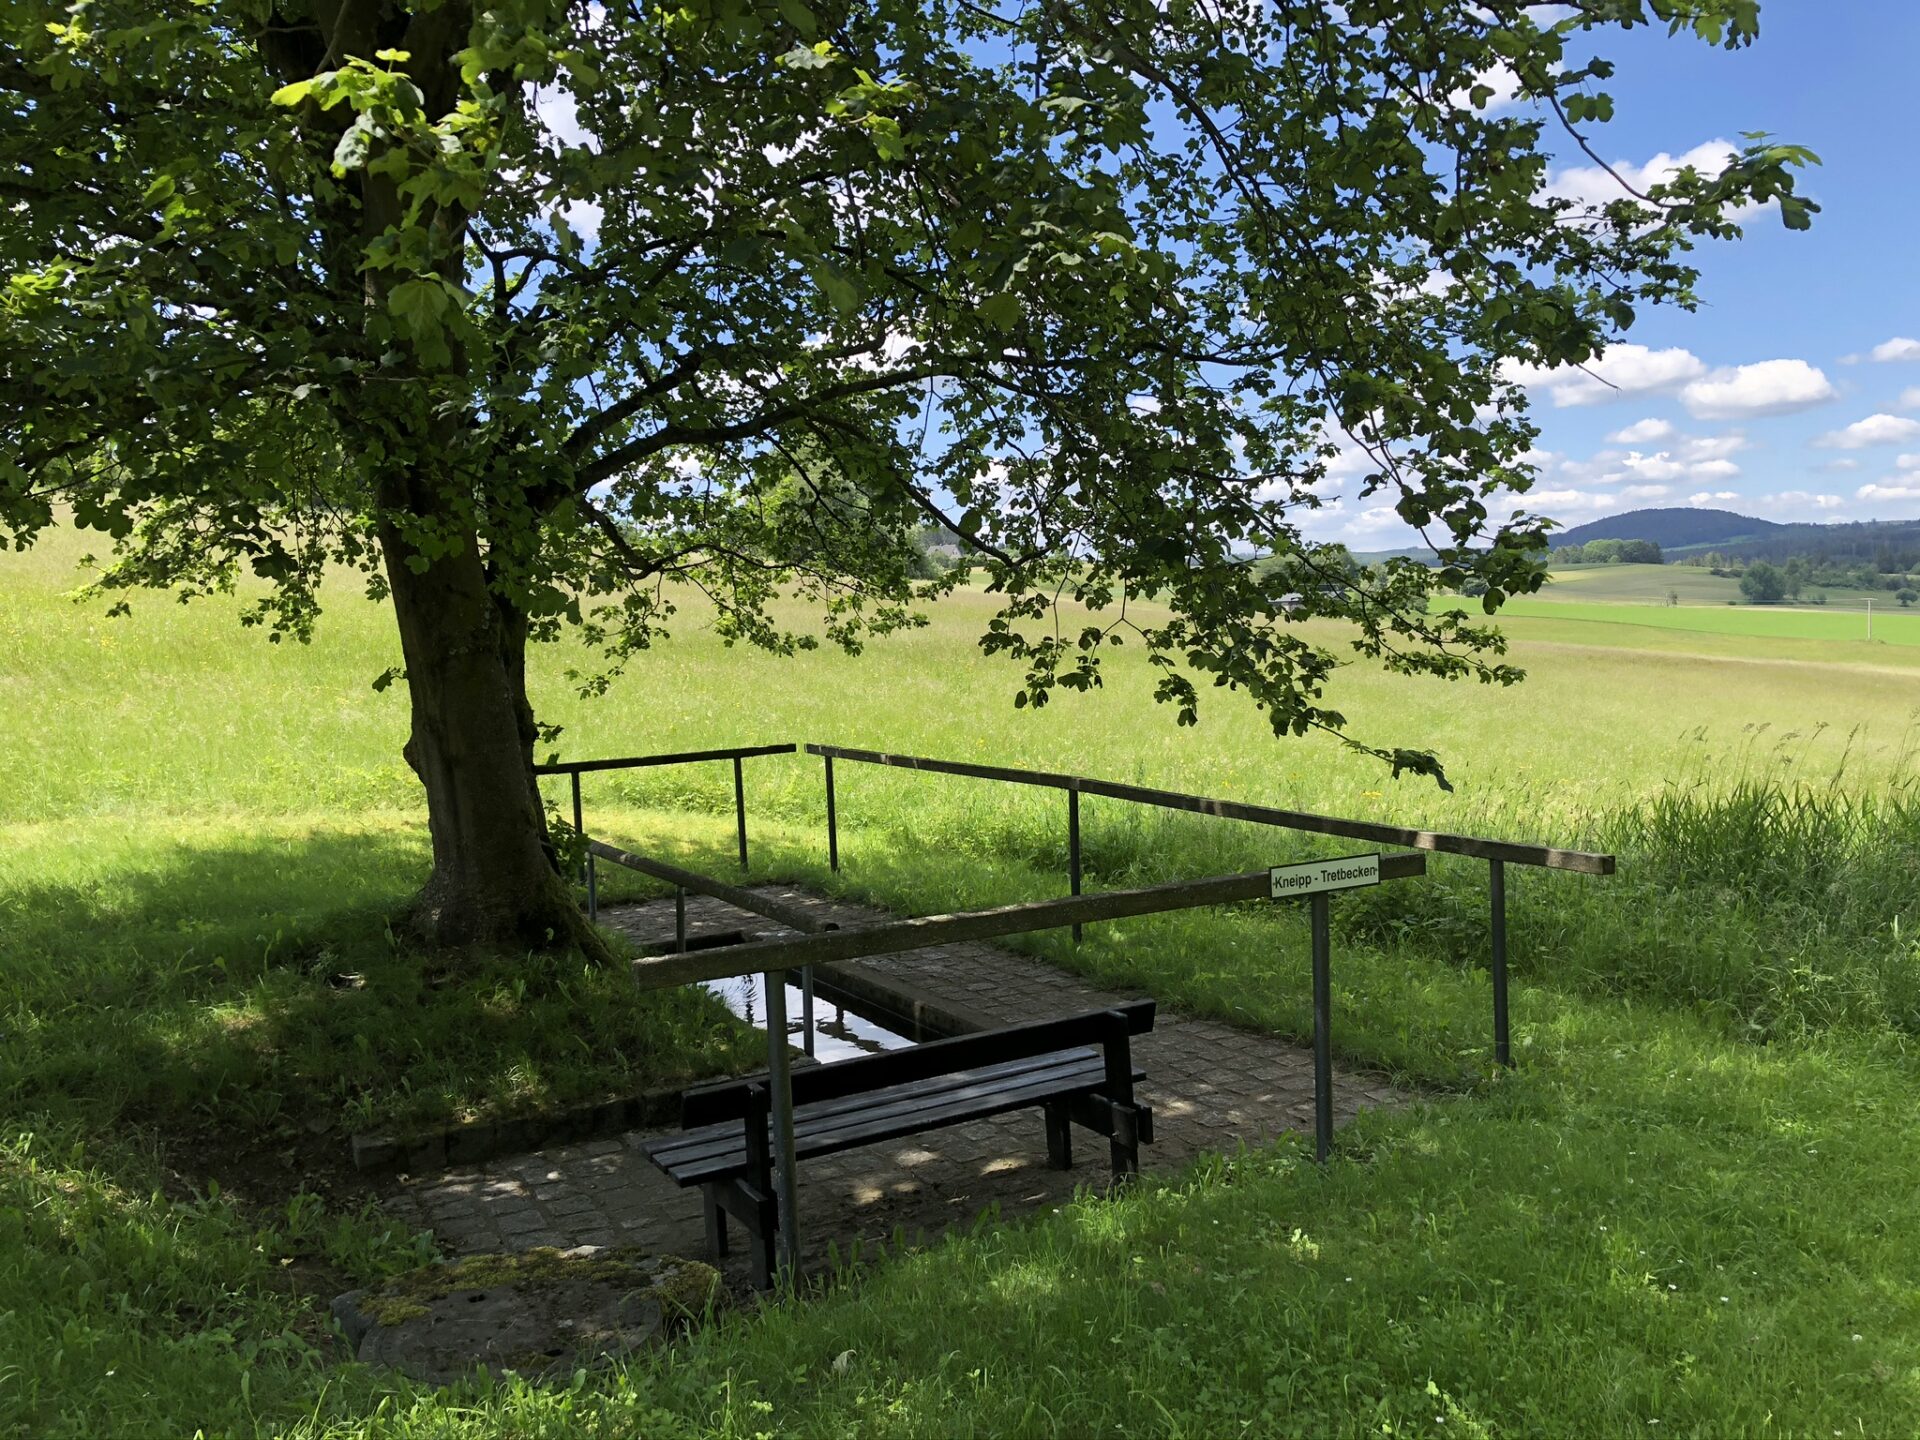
pixel 1211 1087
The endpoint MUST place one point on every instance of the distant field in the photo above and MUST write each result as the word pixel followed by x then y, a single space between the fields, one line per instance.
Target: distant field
pixel 1895 626
pixel 178 711
pixel 1651 584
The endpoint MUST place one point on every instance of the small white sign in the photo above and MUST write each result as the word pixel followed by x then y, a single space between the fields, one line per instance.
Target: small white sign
pixel 1291 881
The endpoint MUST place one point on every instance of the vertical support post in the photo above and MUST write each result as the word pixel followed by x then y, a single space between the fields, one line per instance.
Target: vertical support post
pixel 780 1094
pixel 679 920
pixel 1073 849
pixel 833 823
pixel 806 1009
pixel 740 808
pixel 1322 1031
pixel 586 862
pixel 1497 887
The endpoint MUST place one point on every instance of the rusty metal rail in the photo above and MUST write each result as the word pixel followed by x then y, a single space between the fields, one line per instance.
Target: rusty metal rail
pixel 1497 853
pixel 574 769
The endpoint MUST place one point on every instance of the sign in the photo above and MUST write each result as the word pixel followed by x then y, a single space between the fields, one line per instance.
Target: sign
pixel 1292 881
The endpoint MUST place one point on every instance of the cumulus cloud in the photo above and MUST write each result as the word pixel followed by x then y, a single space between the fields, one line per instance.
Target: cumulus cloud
pixel 1712 497
pixel 1907 462
pixel 1562 502
pixel 1642 431
pixel 1898 348
pixel 1794 502
pixel 1881 429
pixel 1768 387
pixel 1591 186
pixel 1714 470
pixel 1623 371
pixel 1888 492
pixel 1645 492
pixel 1504 84
pixel 1909 398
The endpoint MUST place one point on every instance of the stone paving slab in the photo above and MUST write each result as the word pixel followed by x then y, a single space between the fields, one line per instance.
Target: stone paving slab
pixel 1211 1086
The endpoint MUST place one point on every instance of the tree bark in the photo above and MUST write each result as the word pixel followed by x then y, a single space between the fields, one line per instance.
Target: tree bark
pixel 494 881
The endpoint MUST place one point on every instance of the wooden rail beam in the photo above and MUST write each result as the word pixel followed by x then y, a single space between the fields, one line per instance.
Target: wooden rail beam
pixel 795 917
pixel 685 757
pixel 924 931
pixel 1581 861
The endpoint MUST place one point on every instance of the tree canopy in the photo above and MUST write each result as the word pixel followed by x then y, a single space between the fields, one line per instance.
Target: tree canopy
pixel 553 314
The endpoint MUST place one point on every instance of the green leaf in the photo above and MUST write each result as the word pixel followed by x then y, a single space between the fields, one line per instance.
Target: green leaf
pixel 1001 310
pixel 841 292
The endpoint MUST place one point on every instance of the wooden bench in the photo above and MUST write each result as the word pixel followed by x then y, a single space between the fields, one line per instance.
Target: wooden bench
pixel 1079 1070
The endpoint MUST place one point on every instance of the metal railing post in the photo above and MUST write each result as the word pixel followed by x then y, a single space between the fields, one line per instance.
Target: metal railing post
pixel 1322 1031
pixel 586 860
pixel 780 1093
pixel 1497 898
pixel 1073 849
pixel 833 822
pixel 740 808
pixel 806 1008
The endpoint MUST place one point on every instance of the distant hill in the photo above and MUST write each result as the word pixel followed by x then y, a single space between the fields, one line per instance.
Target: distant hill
pixel 1681 532
pixel 1677 528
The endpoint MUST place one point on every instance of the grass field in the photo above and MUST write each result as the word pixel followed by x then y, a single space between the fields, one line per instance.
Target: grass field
pixel 1652 584
pixel 1689 1205
pixel 1892 629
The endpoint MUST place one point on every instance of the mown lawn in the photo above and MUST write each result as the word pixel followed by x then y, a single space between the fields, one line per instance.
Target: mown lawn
pixel 1687 1211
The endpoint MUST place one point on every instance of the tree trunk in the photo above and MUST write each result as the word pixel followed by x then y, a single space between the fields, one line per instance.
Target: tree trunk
pixel 494 881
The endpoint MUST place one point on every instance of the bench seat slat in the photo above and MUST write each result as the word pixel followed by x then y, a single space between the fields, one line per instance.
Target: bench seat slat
pixel 820 1113
pixel 725 1099
pixel 721 1151
pixel 812 1125
pixel 723 1165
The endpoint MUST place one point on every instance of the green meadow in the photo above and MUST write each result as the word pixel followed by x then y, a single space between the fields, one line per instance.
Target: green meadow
pixel 1692 584
pixel 1686 1211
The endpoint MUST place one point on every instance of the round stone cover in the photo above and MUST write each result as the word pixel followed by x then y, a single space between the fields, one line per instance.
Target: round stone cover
pixel 540 1313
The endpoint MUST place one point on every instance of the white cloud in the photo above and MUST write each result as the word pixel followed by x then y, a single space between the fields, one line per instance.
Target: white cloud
pixel 1769 387
pixel 1713 447
pixel 1907 462
pixel 1898 348
pixel 1712 497
pixel 559 115
pixel 1793 502
pixel 1909 398
pixel 1714 470
pixel 1888 492
pixel 1624 370
pixel 1840 462
pixel 1641 431
pixel 1504 84
pixel 1881 429
pixel 1591 186
pixel 1561 502
pixel 1645 492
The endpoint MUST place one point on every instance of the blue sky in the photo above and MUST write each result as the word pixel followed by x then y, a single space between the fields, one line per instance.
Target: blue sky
pixel 1815 427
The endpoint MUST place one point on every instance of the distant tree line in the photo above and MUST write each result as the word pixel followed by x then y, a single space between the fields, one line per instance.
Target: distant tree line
pixel 1805 577
pixel 1608 552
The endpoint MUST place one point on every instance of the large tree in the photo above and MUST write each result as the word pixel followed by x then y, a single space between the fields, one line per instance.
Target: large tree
pixel 545 314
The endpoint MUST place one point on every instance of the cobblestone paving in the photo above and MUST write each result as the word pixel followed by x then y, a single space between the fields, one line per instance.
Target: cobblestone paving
pixel 1211 1086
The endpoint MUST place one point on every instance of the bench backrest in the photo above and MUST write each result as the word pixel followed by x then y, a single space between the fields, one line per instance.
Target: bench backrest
pixel 727 1099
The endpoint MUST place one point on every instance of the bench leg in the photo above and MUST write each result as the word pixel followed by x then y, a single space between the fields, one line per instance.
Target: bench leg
pixel 1059 1137
pixel 716 1223
pixel 1124 1145
pixel 763 1260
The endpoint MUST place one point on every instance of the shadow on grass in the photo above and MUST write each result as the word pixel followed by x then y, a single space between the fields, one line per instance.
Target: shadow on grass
pixel 246 977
